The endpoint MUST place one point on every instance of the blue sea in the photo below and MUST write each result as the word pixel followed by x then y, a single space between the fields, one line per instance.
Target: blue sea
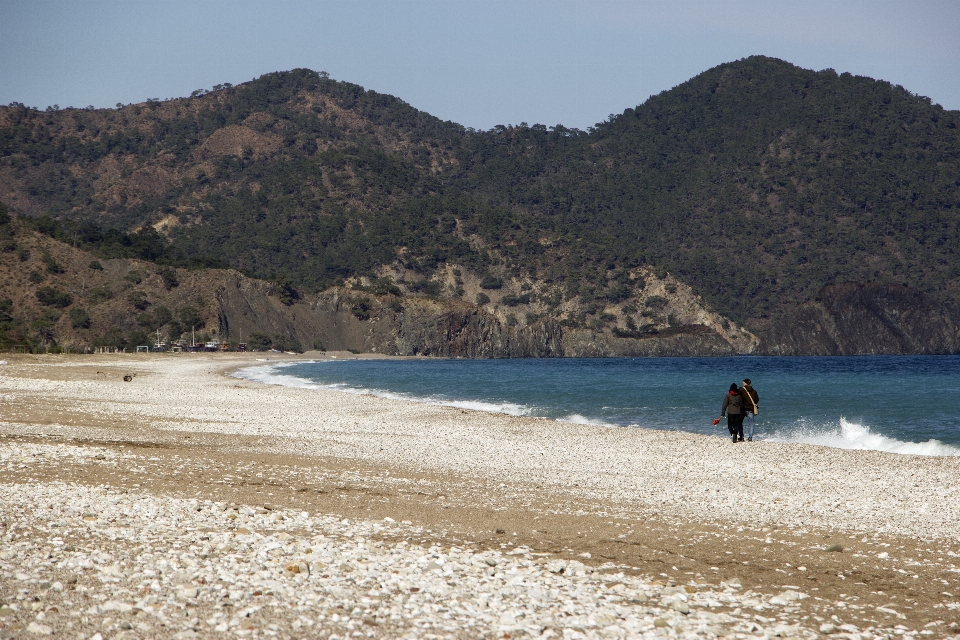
pixel 901 404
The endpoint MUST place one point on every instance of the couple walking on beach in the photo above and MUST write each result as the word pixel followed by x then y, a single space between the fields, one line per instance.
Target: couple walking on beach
pixel 740 403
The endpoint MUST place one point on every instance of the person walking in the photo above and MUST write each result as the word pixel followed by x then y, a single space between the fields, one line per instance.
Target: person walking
pixel 733 408
pixel 751 406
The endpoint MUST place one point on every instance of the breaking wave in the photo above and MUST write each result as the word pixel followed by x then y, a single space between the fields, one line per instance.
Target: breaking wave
pixel 850 435
pixel 527 398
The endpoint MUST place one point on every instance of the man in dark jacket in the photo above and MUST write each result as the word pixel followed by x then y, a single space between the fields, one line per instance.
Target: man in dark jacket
pixel 751 406
pixel 733 408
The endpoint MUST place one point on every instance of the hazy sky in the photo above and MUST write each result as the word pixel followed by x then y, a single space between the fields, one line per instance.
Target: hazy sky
pixel 478 63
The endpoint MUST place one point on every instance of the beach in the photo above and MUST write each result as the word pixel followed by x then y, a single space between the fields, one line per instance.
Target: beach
pixel 189 502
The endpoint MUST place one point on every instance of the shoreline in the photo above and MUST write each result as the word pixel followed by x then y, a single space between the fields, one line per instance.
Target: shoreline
pixel 646 503
pixel 845 434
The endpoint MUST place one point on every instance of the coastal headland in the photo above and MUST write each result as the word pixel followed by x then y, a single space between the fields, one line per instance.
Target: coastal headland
pixel 162 496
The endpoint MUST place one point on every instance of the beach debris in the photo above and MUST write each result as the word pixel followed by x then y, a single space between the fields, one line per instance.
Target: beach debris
pixel 127 378
pixel 834 548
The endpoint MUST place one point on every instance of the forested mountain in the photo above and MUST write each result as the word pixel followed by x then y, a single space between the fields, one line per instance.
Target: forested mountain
pixel 757 183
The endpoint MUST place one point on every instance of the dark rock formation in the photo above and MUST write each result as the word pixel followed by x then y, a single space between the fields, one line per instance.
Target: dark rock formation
pixel 344 320
pixel 457 329
pixel 688 340
pixel 245 306
pixel 865 319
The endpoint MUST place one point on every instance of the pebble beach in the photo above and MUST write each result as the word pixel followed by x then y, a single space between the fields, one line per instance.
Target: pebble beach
pixel 192 501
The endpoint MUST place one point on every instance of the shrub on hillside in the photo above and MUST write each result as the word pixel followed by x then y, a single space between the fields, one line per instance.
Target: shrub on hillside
pixel 491 282
pixel 169 276
pixel 50 297
pixel 79 318
pixel 52 265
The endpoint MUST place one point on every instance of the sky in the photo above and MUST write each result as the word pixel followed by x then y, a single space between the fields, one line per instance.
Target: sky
pixel 479 63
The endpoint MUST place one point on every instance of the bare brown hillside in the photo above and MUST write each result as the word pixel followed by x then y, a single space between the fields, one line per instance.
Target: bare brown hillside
pixel 57 297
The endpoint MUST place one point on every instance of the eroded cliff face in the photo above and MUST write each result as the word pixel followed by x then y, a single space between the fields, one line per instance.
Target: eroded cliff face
pixel 245 306
pixel 343 320
pixel 692 340
pixel 66 298
pixel 865 319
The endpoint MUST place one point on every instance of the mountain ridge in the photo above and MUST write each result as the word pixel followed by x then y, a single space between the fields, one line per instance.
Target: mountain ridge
pixel 756 183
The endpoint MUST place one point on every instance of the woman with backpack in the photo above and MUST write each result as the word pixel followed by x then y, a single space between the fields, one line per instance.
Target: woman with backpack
pixel 733 408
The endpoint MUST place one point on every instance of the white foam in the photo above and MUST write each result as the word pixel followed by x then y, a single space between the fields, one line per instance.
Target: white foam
pixel 491 407
pixel 850 435
pixel 271 375
pixel 841 435
pixel 577 418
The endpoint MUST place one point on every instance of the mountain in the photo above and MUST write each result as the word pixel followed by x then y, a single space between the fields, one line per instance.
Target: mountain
pixel 56 296
pixel 872 319
pixel 741 193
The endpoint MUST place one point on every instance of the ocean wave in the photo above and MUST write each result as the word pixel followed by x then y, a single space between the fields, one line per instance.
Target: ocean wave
pixel 850 435
pixel 577 418
pixel 272 374
pixel 842 434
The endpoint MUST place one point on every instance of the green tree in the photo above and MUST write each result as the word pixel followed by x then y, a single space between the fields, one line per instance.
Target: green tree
pixel 169 276
pixel 138 299
pixel 79 318
pixel 161 316
pixel 52 265
pixel 190 318
pixel 139 338
pixel 259 342
pixel 286 292
pixel 174 330
pixel 51 297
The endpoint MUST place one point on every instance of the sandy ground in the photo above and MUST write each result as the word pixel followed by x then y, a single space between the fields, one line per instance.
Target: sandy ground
pixel 659 508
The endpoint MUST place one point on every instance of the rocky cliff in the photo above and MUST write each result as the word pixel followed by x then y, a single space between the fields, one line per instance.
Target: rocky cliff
pixel 865 319
pixel 454 329
pixel 53 295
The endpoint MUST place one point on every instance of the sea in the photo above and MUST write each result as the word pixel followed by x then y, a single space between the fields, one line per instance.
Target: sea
pixel 899 404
